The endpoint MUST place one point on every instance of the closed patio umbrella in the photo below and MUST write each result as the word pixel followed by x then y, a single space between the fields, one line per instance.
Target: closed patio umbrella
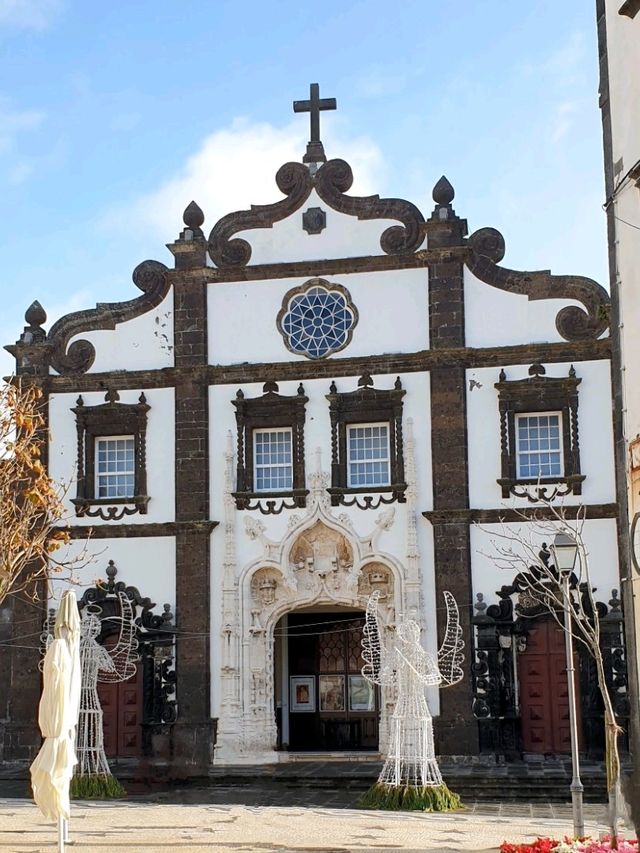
pixel 52 769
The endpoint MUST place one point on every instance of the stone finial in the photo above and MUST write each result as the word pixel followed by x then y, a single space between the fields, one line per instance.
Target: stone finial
pixel 365 380
pixel 443 193
pixel 112 571
pixel 537 370
pixel 112 396
pixel 270 387
pixel 301 390
pixel 193 217
pixel 33 333
pixel 35 315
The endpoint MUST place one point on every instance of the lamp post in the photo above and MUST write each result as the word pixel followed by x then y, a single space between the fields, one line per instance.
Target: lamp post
pixel 565 551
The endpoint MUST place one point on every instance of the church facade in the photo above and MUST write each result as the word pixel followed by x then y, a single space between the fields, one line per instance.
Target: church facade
pixel 322 397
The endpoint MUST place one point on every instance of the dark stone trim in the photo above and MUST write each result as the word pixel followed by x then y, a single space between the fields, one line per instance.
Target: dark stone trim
pixel 94 422
pixel 320 267
pixel 366 405
pixel 508 514
pixel 573 323
pixel 331 182
pixel 149 276
pixel 385 363
pixel 630 8
pixel 455 729
pixel 539 393
pixel 193 732
pixel 270 411
pixel 132 531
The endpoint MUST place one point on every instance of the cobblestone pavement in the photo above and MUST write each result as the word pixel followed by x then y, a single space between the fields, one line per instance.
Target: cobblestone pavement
pixel 142 826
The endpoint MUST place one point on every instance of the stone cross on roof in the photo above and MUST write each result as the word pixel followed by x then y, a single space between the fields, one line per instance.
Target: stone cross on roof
pixel 315 104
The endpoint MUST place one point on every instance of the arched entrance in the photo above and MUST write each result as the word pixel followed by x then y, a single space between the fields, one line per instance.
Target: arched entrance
pixel 323 703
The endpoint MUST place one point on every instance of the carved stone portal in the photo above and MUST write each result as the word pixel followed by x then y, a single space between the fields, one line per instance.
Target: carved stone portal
pixel 320 561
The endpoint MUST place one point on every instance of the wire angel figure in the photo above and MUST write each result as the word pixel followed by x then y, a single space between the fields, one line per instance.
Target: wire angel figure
pixel 410 777
pixel 105 665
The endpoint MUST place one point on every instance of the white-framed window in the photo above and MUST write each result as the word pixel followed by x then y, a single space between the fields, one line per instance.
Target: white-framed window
pixel 368 455
pixel 115 466
pixel 539 445
pixel 273 460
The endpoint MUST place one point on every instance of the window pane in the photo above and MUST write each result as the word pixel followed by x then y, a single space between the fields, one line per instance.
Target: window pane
pixel 538 446
pixel 115 467
pixel 273 460
pixel 368 455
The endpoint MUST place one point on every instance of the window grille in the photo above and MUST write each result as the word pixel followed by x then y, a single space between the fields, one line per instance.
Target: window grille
pixel 368 455
pixel 115 467
pixel 273 460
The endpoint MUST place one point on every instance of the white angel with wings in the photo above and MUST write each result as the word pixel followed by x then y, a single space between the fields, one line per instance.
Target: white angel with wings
pixel 100 664
pixel 410 759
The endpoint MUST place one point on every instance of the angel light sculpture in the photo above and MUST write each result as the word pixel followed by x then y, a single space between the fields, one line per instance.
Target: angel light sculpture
pixel 410 777
pixel 97 663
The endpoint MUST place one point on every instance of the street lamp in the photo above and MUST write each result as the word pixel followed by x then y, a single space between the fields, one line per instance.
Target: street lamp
pixel 565 551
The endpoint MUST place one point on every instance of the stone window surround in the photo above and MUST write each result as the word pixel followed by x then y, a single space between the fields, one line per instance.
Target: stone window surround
pixel 269 411
pixel 366 405
pixel 111 418
pixel 539 394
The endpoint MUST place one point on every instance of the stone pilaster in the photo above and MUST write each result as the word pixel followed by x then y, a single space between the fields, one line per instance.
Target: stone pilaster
pixel 22 614
pixel 456 729
pixel 193 730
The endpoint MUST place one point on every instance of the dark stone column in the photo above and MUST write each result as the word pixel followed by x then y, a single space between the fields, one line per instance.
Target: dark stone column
pixel 456 729
pixel 22 615
pixel 193 730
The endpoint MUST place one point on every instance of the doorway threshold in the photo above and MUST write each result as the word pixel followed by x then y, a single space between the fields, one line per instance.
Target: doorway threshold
pixel 365 755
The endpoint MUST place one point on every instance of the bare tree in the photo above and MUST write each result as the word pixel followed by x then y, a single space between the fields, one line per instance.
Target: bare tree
pixel 32 513
pixel 525 549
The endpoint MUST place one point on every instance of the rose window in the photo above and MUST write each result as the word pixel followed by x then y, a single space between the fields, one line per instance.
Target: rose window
pixel 317 319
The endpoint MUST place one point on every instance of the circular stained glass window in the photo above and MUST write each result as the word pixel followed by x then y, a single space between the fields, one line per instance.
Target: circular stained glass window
pixel 317 319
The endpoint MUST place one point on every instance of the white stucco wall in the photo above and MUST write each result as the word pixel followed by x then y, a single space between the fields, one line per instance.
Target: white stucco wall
pixel 393 309
pixel 599 536
pixel 318 434
pixel 623 51
pixel 146 562
pixel 344 237
pixel 495 318
pixel 595 428
pixel 160 453
pixel 144 343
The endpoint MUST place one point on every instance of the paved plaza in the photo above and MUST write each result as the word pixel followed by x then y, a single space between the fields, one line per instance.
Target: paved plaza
pixel 226 819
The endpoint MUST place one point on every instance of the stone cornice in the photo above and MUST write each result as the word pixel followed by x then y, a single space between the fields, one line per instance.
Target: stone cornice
pixel 513 514
pixel 133 531
pixel 425 360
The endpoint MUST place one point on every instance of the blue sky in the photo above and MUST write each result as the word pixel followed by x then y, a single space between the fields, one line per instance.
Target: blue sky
pixel 114 115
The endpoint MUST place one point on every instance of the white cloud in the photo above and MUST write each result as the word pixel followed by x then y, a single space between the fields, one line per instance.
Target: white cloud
pixel 235 167
pixel 28 14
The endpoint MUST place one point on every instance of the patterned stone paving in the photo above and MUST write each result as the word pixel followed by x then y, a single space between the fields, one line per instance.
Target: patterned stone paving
pixel 143 826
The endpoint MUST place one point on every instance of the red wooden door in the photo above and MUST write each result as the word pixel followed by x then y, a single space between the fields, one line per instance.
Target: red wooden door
pixel 122 709
pixel 544 705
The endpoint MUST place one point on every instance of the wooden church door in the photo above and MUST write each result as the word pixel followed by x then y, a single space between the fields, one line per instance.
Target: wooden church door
pixel 544 703
pixel 122 709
